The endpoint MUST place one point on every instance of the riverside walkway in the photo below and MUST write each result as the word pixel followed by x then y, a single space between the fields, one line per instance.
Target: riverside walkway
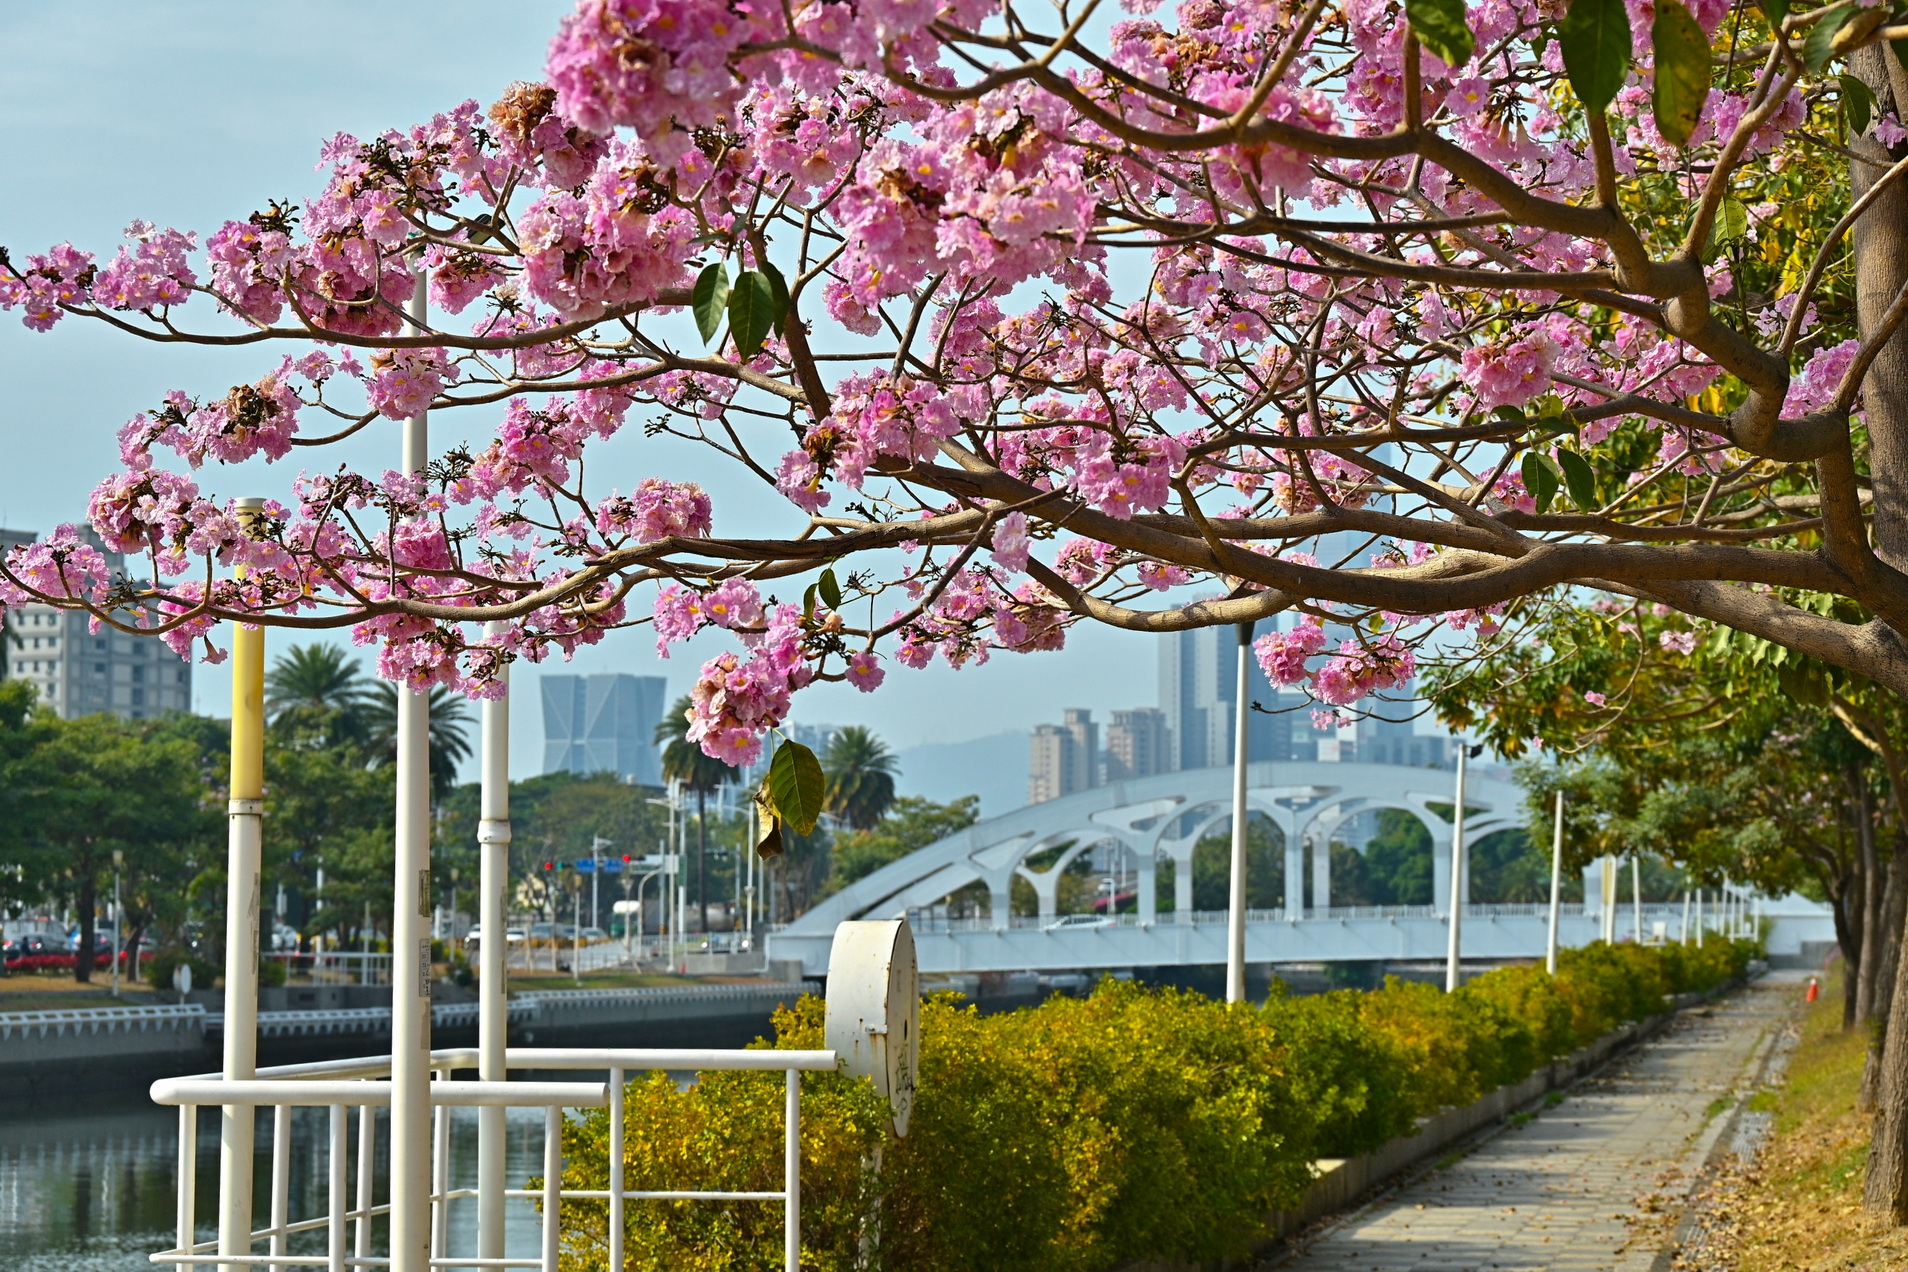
pixel 1595 1182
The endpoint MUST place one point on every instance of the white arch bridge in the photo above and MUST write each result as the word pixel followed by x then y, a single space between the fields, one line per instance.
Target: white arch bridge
pixel 1155 823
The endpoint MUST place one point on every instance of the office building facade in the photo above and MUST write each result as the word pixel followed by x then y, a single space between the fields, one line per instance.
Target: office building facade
pixel 604 724
pixel 81 672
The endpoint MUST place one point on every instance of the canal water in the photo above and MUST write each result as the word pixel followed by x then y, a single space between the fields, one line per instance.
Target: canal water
pixel 89 1185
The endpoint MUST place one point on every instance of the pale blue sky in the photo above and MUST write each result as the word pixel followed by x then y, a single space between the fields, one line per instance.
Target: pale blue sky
pixel 187 113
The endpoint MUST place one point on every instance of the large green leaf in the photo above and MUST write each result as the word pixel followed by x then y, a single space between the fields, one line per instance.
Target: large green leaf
pixel 779 286
pixel 1540 479
pixel 1775 11
pixel 1440 27
pixel 1819 45
pixel 710 299
pixel 829 589
pixel 751 313
pixel 1580 479
pixel 1682 71
pixel 1858 103
pixel 1595 40
pixel 1731 223
pixel 795 786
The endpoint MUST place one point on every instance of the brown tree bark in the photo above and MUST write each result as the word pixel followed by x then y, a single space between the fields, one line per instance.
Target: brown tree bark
pixel 87 900
pixel 1865 992
pixel 1879 242
pixel 1887 968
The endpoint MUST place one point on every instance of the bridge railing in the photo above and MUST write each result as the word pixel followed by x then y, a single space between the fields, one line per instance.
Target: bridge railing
pixel 355 1089
pixel 926 923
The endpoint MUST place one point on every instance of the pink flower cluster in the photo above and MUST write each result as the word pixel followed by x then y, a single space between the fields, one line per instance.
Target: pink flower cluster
pixel 1355 671
pixel 1283 655
pixel 656 509
pixel 62 276
pixel 1510 372
pixel 253 419
pixel 646 64
pixel 736 700
pixel 621 242
pixel 404 382
pixel 150 275
pixel 57 567
pixel 874 416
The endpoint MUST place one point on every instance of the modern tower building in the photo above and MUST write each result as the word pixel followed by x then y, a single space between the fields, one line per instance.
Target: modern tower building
pixel 81 672
pixel 604 724
pixel 1138 744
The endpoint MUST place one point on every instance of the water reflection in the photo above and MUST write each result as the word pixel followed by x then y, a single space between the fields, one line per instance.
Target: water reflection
pixel 91 1189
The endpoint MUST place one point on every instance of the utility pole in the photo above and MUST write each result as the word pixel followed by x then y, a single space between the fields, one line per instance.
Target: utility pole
pixel 1460 881
pixel 1236 902
pixel 1556 888
pixel 119 860
pixel 597 845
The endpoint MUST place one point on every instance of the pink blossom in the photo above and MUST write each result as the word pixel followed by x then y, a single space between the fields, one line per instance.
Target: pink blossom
pixel 1677 642
pixel 657 509
pixel 865 672
pixel 1011 542
pixel 405 381
pixel 1594 698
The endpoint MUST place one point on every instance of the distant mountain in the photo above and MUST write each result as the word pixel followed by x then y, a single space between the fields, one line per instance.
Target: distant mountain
pixel 993 767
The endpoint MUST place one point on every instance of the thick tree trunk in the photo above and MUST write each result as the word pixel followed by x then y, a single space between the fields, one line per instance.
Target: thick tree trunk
pixel 1887 968
pixel 88 899
pixel 1848 937
pixel 1880 245
pixel 1866 993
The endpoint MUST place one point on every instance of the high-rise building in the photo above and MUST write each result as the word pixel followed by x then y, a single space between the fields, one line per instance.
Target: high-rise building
pixel 81 672
pixel 1198 678
pixel 1137 744
pixel 1050 763
pixel 604 724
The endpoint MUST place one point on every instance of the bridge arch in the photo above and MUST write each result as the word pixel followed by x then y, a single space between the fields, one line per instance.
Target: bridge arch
pixel 1306 801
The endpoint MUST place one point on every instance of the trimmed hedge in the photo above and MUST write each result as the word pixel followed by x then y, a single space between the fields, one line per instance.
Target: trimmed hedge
pixel 1087 1133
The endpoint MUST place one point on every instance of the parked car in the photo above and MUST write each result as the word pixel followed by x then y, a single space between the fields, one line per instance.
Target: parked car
pixel 591 935
pixel 40 952
pixel 1073 922
pixel 512 936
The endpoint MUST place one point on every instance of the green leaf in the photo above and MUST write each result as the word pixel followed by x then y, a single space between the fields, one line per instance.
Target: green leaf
pixel 1819 45
pixel 1682 71
pixel 1595 39
pixel 1580 478
pixel 808 601
pixel 795 786
pixel 829 589
pixel 779 287
pixel 751 313
pixel 710 298
pixel 1732 223
pixel 1775 11
pixel 1858 103
pixel 1440 27
pixel 1540 479
pixel 1511 415
pixel 1901 51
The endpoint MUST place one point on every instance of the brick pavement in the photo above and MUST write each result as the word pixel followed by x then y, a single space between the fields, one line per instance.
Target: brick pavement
pixel 1561 1190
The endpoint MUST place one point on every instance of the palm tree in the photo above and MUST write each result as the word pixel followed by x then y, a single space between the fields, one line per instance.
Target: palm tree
pixel 450 746
pixel 859 770
pixel 684 761
pixel 318 688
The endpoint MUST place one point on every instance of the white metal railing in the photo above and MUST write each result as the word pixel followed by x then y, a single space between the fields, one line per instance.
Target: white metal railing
pixel 336 967
pixel 348 1221
pixel 923 922
pixel 95 1020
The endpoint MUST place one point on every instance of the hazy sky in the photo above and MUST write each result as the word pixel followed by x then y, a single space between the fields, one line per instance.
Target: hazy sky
pixel 187 114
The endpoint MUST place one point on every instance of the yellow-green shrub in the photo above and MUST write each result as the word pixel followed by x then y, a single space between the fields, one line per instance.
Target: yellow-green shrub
pixel 1083 1134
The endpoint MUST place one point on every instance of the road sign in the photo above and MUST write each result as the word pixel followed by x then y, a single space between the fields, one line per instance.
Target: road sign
pixel 611 865
pixel 626 907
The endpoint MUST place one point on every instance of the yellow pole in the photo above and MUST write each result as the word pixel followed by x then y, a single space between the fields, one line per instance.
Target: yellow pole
pixel 244 834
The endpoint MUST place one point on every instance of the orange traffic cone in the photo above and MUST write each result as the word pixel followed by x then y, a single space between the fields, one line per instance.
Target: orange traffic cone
pixel 1814 991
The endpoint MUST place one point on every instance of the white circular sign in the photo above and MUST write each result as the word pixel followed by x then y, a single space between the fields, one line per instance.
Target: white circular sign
pixel 874 1009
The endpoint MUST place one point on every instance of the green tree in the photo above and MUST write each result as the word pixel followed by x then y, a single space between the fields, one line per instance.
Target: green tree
pixel 911 823
pixel 450 744
pixel 319 690
pixel 90 787
pixel 684 761
pixel 860 771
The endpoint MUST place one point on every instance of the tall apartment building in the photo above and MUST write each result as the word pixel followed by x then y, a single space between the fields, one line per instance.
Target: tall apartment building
pixel 1063 758
pixel 1138 744
pixel 604 724
pixel 80 672
pixel 1198 679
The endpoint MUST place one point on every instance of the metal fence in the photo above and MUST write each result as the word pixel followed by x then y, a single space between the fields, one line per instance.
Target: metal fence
pixel 360 1087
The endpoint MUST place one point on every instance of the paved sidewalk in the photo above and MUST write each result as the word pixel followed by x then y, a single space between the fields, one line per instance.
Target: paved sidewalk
pixel 1568 1189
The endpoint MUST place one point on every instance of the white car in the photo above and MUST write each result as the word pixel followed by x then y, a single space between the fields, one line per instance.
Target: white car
pixel 1074 922
pixel 512 936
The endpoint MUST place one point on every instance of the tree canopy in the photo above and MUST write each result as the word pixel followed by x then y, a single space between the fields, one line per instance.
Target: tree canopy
pixel 1387 313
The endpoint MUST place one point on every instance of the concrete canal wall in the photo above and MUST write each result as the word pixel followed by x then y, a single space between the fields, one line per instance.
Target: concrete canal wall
pixel 45 1054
